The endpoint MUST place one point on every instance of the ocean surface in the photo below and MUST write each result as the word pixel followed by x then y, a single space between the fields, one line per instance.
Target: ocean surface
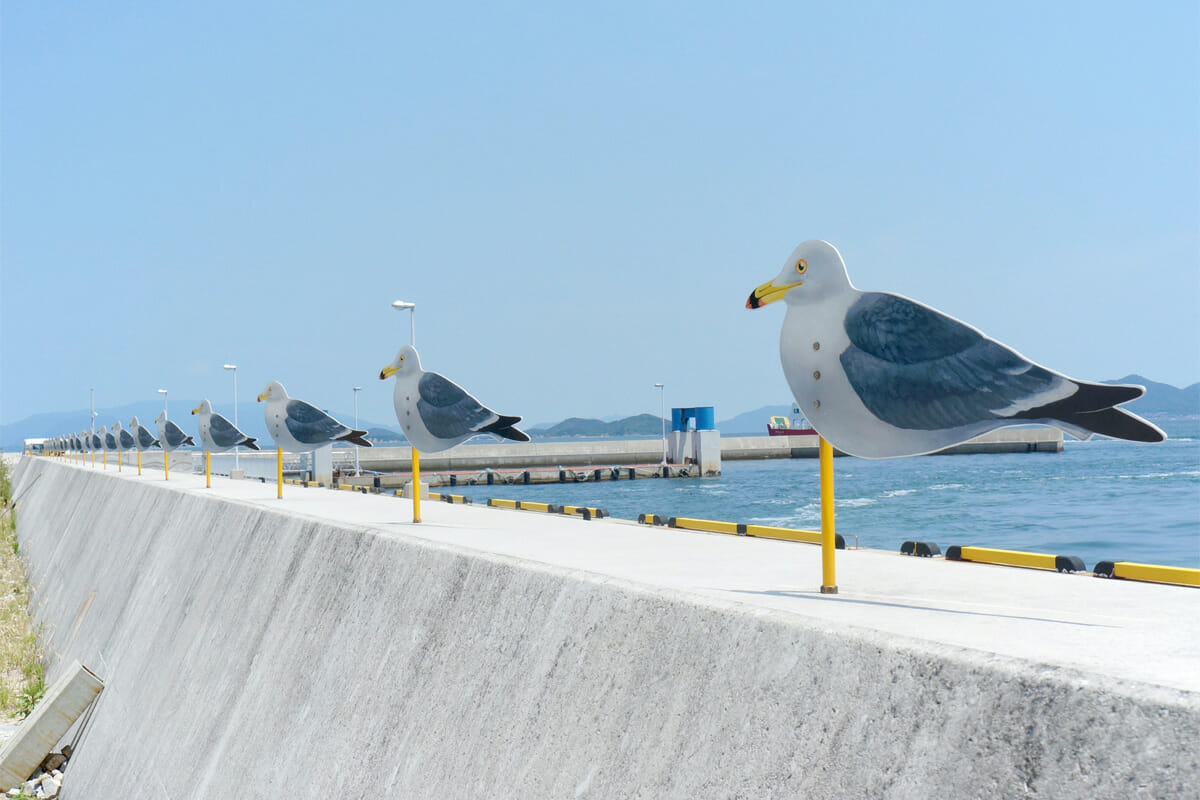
pixel 1102 500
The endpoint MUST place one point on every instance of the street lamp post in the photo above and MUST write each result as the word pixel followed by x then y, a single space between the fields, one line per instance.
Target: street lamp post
pixel 233 368
pixel 163 392
pixel 662 396
pixel 401 305
pixel 357 389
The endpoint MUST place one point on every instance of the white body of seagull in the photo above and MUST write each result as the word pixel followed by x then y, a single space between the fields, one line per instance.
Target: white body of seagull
pixel 882 376
pixel 437 413
pixel 300 427
pixel 218 434
pixel 170 436
pixel 143 439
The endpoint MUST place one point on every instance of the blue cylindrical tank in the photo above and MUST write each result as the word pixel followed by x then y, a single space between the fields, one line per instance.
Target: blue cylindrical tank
pixel 705 418
pixel 676 419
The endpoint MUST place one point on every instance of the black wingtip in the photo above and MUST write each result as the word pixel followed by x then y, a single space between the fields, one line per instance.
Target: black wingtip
pixel 250 442
pixel 188 440
pixel 512 433
pixel 355 437
pixel 502 426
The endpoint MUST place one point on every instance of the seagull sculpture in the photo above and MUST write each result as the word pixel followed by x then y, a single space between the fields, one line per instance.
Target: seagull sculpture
pixel 217 433
pixel 435 412
pixel 300 427
pixel 882 376
pixel 143 439
pixel 124 437
pixel 170 435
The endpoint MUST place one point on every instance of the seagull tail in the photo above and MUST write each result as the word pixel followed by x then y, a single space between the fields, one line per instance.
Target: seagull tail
pixel 354 437
pixel 1117 423
pixel 187 440
pixel 504 427
pixel 250 442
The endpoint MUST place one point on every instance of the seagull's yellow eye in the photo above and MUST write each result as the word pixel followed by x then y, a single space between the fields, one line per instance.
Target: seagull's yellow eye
pixel 801 266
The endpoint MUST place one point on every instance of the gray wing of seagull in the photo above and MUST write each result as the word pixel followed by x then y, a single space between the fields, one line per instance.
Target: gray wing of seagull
pixel 447 411
pixel 144 437
pixel 310 425
pixel 175 435
pixel 916 368
pixel 126 439
pixel 223 433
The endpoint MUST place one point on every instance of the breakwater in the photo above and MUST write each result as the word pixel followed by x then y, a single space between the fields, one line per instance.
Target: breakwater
pixel 319 646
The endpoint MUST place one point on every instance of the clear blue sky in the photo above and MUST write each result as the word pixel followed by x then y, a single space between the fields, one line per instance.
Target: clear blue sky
pixel 578 199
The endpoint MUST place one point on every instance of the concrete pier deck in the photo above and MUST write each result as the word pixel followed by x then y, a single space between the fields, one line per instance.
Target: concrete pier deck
pixel 501 653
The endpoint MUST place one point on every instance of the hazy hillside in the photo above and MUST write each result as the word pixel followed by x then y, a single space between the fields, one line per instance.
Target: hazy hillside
pixel 1162 398
pixel 640 425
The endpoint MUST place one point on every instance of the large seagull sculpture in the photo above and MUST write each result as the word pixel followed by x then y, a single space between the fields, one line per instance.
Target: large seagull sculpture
pixel 882 376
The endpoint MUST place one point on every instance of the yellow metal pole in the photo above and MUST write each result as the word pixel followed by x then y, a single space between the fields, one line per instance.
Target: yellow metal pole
pixel 166 465
pixel 120 459
pixel 104 460
pixel 416 459
pixel 279 472
pixel 828 540
pixel 139 462
pixel 207 472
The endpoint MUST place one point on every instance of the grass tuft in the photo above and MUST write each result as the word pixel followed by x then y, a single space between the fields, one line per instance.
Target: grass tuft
pixel 22 677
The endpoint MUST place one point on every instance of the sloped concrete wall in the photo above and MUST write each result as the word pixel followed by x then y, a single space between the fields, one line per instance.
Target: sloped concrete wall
pixel 249 653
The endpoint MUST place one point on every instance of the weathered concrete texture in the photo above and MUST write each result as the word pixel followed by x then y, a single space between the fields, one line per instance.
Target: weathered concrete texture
pixel 244 647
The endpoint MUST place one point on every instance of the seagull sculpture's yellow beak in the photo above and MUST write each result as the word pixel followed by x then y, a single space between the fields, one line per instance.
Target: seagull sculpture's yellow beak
pixel 388 371
pixel 196 410
pixel 263 396
pixel 769 293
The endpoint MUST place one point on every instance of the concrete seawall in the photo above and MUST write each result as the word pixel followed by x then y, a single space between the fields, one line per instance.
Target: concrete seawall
pixel 265 648
pixel 649 451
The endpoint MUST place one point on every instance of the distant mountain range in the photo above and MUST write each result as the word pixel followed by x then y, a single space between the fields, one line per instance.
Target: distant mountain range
pixel 640 425
pixel 1160 399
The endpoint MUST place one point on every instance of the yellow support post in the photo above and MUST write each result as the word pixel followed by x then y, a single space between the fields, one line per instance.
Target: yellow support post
pixel 207 471
pixel 279 472
pixel 828 539
pixel 120 458
pixel 139 462
pixel 104 459
pixel 166 465
pixel 416 469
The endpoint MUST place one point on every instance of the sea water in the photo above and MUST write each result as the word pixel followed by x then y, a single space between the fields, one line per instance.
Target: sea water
pixel 1101 500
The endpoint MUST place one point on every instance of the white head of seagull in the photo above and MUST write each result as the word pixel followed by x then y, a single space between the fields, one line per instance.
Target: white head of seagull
pixel 881 376
pixel 816 266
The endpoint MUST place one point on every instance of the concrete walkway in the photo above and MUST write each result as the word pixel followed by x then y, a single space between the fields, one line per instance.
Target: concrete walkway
pixel 1144 636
